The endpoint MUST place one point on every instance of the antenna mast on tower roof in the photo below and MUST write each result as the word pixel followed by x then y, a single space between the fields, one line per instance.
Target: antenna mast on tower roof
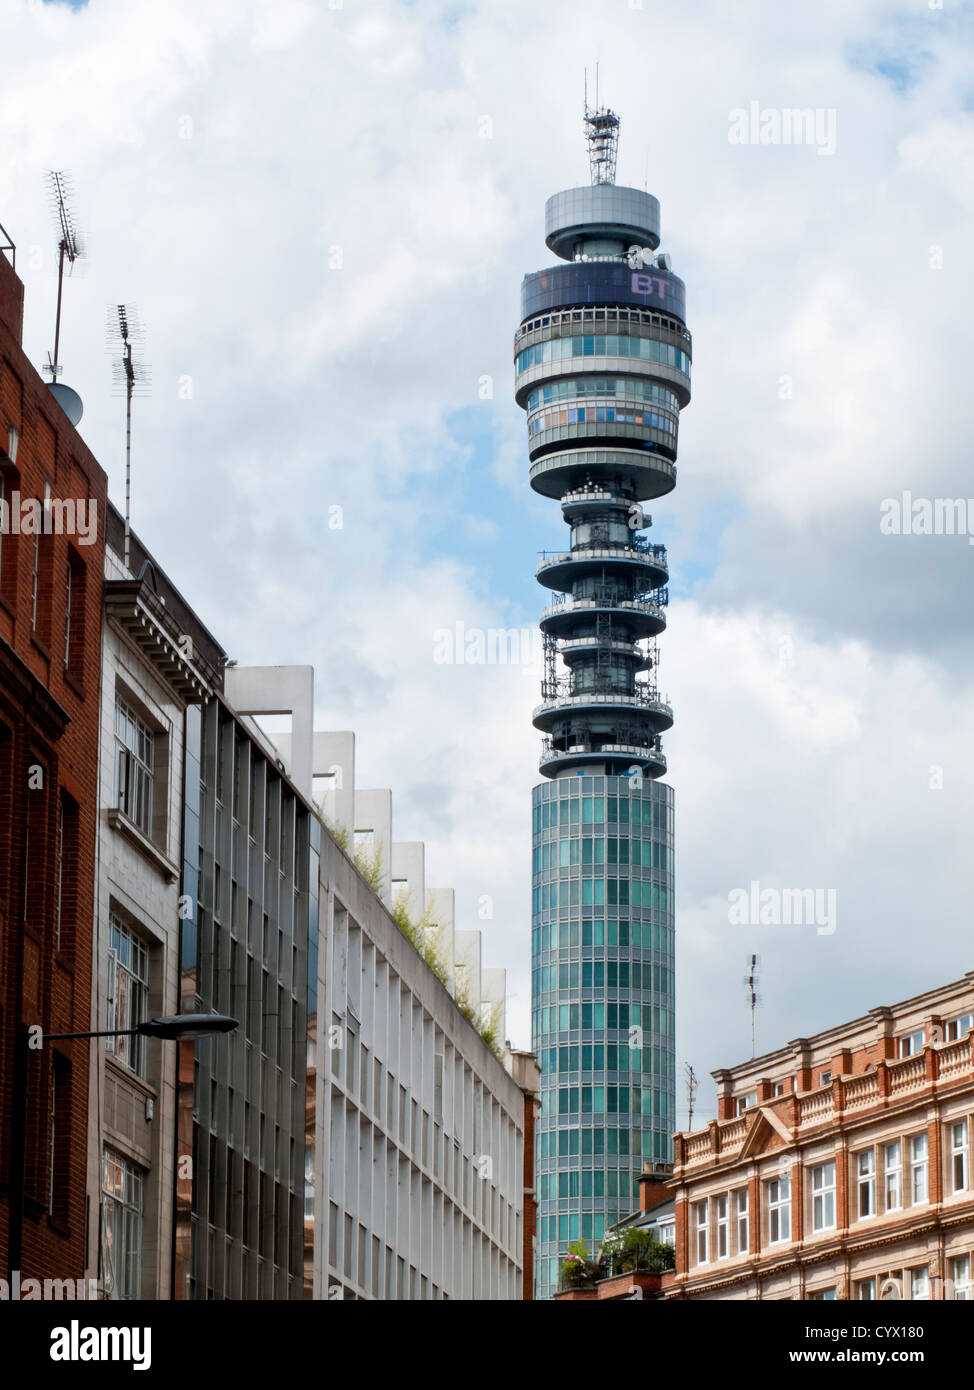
pixel 602 135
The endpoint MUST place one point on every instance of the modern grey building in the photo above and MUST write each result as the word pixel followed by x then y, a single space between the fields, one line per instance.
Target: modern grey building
pixel 602 367
pixel 357 1137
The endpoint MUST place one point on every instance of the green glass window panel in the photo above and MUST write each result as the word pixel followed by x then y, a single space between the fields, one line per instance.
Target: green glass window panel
pixel 598 929
pixel 586 810
pixel 564 847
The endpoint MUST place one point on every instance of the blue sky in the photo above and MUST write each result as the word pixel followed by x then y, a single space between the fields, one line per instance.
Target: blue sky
pixel 323 216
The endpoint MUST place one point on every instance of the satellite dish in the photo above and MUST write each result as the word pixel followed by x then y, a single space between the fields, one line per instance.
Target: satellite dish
pixel 646 255
pixel 68 399
pixel 664 260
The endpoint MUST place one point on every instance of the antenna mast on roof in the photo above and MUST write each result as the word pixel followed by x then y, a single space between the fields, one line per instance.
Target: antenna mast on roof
pixel 692 1084
pixel 751 986
pixel 69 249
pixel 602 135
pixel 131 378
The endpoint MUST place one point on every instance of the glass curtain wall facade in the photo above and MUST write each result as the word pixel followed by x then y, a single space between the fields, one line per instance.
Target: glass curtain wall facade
pixel 602 363
pixel 603 996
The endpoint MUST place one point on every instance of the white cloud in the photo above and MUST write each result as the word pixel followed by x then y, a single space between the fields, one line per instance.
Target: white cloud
pixel 220 152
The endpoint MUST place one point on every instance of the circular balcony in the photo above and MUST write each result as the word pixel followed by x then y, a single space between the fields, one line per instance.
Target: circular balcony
pixel 644 475
pixel 617 757
pixel 642 617
pixel 648 704
pixel 585 646
pixel 647 569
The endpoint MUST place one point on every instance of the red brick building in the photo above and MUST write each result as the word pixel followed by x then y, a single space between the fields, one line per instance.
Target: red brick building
pixel 840 1166
pixel 53 497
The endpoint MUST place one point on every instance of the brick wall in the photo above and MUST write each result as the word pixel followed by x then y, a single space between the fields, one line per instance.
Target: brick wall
pixel 48 721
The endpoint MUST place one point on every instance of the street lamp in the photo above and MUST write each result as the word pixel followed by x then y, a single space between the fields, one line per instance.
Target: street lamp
pixel 170 1027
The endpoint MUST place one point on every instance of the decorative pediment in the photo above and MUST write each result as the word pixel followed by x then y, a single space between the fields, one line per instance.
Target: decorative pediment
pixel 766 1134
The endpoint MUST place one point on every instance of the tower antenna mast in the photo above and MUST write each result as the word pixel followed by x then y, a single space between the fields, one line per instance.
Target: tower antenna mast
pixel 129 378
pixel 69 250
pixel 602 137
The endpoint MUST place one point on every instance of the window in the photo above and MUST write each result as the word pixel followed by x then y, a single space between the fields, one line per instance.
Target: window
pixel 956 1028
pixel 59 1168
pixel 128 992
pixel 700 1218
pixel 122 1241
pixel 134 749
pixel 866 1182
pixel 741 1204
pixel 919 1287
pixel 959 1156
pixel 722 1226
pixel 746 1102
pixel 822 1296
pixel 866 1289
pixel 910 1044
pixel 960 1273
pixel 781 1088
pixel 779 1210
pixel 60 875
pixel 74 613
pixel 918 1168
pixel 825 1077
pixel 35 573
pixel 823 1197
pixel 67 618
pixel 893 1167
